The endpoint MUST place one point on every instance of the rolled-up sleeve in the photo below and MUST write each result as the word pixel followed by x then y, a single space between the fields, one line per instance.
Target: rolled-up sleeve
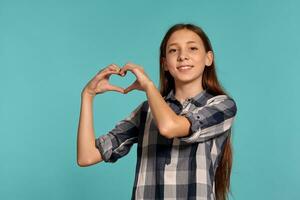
pixel 117 142
pixel 210 120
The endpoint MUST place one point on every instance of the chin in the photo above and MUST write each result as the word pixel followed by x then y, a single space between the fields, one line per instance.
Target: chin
pixel 187 79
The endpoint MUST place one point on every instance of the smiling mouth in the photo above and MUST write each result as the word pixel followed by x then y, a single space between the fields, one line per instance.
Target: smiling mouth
pixel 184 67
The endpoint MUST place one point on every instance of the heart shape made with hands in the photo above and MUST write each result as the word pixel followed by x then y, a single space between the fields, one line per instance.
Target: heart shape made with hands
pixel 114 81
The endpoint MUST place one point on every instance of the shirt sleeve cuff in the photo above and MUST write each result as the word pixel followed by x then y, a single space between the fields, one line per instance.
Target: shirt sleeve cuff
pixel 104 145
pixel 194 122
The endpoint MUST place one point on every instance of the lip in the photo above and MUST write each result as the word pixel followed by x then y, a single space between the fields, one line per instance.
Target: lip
pixel 184 66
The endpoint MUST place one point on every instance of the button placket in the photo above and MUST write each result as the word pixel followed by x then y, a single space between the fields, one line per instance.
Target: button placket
pixel 184 106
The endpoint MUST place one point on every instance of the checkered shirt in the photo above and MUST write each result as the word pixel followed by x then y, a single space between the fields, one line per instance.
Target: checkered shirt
pixel 178 168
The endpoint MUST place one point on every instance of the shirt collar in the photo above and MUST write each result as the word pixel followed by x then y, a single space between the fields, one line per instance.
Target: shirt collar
pixel 198 99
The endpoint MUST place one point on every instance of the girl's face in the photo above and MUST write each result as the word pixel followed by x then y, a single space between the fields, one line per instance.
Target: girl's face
pixel 186 57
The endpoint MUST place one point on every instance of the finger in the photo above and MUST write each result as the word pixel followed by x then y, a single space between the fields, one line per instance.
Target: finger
pixel 132 65
pixel 111 67
pixel 116 67
pixel 105 74
pixel 126 68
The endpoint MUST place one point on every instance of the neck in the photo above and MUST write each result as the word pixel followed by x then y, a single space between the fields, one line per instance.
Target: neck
pixel 187 90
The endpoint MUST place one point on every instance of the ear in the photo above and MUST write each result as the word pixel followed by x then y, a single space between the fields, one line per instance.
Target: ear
pixel 209 58
pixel 165 64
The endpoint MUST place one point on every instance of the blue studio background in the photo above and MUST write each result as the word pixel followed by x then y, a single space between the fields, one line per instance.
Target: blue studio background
pixel 49 50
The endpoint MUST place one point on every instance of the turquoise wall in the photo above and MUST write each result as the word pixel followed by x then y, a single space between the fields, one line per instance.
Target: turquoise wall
pixel 49 50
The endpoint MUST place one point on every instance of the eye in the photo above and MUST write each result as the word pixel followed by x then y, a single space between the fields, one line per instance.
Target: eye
pixel 194 48
pixel 172 50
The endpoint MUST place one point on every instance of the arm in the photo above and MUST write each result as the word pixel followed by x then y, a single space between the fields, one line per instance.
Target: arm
pixel 87 153
pixel 169 124
pixel 211 120
pixel 118 141
pixel 197 125
pixel 165 118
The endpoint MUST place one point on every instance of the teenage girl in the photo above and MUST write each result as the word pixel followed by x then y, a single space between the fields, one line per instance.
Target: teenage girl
pixel 182 131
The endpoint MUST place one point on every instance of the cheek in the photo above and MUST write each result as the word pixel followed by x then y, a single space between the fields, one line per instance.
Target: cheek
pixel 199 59
pixel 171 62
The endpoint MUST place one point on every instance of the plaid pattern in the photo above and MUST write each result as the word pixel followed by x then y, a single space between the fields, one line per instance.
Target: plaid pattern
pixel 179 168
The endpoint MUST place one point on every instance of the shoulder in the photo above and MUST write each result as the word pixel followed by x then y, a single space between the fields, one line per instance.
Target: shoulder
pixel 217 98
pixel 223 101
pixel 210 98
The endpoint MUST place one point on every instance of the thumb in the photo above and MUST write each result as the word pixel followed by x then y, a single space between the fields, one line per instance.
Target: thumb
pixel 131 87
pixel 116 88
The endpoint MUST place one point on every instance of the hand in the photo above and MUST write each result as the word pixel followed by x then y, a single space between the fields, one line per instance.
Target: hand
pixel 100 83
pixel 142 80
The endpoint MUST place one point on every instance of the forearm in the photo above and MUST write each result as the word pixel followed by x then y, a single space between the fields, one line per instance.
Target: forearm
pixel 85 136
pixel 163 115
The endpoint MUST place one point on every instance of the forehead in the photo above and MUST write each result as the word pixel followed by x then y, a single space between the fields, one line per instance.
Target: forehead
pixel 184 36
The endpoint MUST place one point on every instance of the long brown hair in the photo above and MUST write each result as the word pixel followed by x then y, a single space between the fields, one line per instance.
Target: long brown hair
pixel 211 84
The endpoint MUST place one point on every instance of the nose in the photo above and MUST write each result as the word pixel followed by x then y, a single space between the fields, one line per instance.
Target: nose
pixel 182 56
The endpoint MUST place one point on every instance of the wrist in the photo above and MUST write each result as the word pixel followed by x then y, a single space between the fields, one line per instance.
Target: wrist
pixel 87 95
pixel 149 86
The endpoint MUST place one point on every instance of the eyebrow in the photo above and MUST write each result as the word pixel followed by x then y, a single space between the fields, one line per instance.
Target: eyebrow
pixel 177 43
